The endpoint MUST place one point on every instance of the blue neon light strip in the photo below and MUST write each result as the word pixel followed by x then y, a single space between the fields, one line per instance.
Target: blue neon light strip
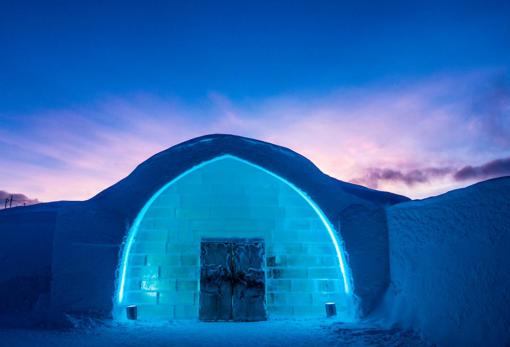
pixel 134 228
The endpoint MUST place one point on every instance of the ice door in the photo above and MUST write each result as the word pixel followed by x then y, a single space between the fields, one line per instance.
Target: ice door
pixel 249 291
pixel 215 281
pixel 232 280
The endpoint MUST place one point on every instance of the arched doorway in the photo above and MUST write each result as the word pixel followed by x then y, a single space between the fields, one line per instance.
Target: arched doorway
pixel 228 200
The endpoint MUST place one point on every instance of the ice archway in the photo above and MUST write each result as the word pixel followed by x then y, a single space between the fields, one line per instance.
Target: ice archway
pixel 231 197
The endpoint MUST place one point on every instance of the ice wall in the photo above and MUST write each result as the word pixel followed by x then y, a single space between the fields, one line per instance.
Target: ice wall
pixel 449 264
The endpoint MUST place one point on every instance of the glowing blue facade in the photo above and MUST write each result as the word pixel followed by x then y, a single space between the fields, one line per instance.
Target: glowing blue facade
pixel 230 197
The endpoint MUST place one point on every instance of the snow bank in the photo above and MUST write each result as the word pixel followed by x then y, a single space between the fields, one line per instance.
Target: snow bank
pixel 449 263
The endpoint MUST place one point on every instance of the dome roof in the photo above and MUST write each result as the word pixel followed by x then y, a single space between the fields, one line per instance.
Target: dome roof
pixel 330 194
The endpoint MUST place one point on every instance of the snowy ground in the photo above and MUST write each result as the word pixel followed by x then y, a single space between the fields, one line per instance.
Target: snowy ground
pixel 290 333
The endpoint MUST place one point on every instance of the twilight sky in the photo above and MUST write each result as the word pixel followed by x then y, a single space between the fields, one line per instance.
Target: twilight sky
pixel 409 98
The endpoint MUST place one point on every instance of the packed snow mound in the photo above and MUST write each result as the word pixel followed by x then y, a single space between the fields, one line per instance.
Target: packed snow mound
pixel 450 261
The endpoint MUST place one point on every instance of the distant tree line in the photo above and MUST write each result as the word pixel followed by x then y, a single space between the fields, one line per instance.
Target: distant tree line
pixel 10 201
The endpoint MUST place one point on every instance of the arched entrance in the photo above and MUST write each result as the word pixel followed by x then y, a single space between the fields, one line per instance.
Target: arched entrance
pixel 230 201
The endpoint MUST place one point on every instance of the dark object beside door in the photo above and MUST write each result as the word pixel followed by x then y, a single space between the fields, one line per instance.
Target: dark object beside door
pixel 232 280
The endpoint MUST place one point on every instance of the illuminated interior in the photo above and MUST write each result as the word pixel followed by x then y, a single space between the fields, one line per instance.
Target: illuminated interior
pixel 230 197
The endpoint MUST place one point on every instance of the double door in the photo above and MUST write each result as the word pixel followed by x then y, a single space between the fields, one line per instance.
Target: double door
pixel 232 280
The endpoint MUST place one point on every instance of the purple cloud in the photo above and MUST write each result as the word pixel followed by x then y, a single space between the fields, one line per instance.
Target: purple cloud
pixel 374 176
pixel 494 168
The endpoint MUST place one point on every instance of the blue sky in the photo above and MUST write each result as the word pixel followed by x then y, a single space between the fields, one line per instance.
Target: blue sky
pixel 198 67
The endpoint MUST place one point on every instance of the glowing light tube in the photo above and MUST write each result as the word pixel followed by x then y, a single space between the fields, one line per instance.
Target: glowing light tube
pixel 134 228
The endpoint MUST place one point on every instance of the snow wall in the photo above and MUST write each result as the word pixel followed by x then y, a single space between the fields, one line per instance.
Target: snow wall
pixel 365 235
pixel 26 235
pixel 450 265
